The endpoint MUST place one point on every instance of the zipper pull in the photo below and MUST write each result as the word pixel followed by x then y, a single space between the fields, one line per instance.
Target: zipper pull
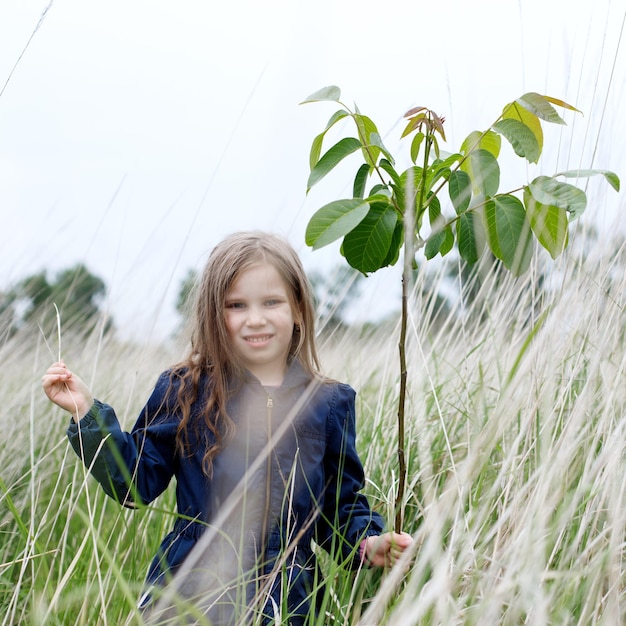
pixel 270 402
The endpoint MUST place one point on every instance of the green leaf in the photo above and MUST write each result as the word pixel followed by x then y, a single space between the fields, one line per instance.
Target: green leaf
pixel 460 190
pixel 549 223
pixel 514 111
pixel 433 244
pixel 396 244
pixel 448 242
pixel 520 137
pixel 449 161
pixel 366 129
pixel 611 177
pixel 413 174
pixel 434 212
pixel 484 172
pixel 360 180
pixel 331 93
pixel 376 140
pixel 540 106
pixel 563 195
pixel 366 247
pixel 316 150
pixel 335 117
pixel 334 220
pixel 440 242
pixel 470 236
pixel 330 159
pixel 387 167
pixel 508 232
pixel 476 140
pixel 415 146
pixel 316 147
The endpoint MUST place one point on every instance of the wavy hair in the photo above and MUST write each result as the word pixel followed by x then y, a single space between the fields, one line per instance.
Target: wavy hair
pixel 211 355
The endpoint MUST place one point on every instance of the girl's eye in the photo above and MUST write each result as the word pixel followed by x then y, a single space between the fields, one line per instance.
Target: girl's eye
pixel 235 305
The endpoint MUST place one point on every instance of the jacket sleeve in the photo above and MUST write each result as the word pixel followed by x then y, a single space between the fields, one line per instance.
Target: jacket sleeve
pixel 346 516
pixel 132 467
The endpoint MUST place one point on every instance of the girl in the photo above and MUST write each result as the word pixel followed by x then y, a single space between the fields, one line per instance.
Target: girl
pixel 262 447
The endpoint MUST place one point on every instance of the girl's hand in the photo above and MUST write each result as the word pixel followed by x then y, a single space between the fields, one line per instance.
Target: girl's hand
pixel 67 390
pixel 385 550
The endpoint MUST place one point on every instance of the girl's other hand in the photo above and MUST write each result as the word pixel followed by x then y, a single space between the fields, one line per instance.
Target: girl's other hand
pixel 385 550
pixel 67 390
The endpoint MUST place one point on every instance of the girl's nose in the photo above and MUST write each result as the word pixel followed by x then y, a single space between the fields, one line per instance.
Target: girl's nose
pixel 255 317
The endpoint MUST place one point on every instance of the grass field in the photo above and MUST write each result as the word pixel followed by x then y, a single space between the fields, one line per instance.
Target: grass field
pixel 516 431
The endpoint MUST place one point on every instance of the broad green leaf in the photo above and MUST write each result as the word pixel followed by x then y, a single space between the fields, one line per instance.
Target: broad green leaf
pixel 514 111
pixel 611 177
pixel 508 232
pixel 448 242
pixel 334 220
pixel 366 246
pixel 360 180
pixel 415 146
pixel 332 93
pixel 520 137
pixel 540 106
pixel 330 159
pixel 434 213
pixel 549 223
pixel 460 190
pixel 476 140
pixel 440 242
pixel 434 243
pixel 396 244
pixel 484 172
pixel 366 129
pixel 470 235
pixel 563 195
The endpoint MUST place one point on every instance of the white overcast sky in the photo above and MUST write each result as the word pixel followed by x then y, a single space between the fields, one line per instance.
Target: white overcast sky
pixel 136 134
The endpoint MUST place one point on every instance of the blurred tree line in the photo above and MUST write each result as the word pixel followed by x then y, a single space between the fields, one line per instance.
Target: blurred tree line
pixel 77 293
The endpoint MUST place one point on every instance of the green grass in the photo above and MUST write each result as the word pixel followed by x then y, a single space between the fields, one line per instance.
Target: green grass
pixel 516 494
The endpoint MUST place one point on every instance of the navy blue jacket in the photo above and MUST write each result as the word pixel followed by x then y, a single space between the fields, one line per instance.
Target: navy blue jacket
pixel 314 473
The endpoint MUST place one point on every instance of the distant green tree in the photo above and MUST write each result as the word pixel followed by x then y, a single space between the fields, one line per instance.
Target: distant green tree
pixel 76 292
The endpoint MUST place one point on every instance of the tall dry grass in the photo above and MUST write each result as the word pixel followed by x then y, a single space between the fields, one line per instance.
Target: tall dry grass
pixel 516 499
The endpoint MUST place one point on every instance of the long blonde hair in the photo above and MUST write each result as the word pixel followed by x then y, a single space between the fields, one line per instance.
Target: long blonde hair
pixel 211 354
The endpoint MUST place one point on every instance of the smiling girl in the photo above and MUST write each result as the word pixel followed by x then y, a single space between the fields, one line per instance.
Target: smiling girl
pixel 261 444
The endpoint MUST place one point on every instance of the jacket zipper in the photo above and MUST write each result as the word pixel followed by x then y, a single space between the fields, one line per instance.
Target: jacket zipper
pixel 268 474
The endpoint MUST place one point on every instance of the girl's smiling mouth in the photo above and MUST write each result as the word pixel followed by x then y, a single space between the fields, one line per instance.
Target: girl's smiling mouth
pixel 257 338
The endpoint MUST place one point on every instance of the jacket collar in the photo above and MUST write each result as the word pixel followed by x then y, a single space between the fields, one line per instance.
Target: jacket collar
pixel 295 376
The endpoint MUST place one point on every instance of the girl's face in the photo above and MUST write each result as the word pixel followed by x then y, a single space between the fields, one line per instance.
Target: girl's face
pixel 259 319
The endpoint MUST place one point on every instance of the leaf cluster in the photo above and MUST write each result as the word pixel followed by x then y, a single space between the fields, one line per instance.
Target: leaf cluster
pixel 372 222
